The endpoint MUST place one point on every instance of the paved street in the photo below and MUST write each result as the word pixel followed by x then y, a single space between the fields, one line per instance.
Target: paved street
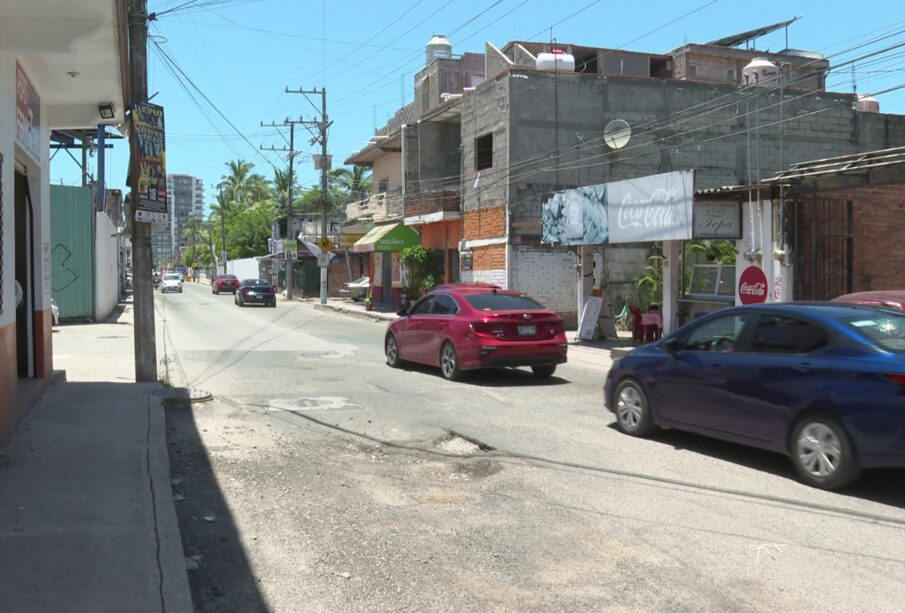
pixel 320 479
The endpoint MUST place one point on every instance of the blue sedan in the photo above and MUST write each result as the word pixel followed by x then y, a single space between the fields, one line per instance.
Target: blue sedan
pixel 823 383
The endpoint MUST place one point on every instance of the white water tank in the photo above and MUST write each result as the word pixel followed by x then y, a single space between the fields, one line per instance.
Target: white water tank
pixel 556 61
pixel 437 46
pixel 761 72
pixel 868 104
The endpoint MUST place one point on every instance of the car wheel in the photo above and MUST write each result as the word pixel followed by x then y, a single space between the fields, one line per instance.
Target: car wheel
pixel 633 414
pixel 391 349
pixel 449 362
pixel 822 454
pixel 543 372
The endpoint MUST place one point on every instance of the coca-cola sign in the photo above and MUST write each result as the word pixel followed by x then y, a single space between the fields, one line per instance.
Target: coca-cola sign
pixel 752 286
pixel 654 208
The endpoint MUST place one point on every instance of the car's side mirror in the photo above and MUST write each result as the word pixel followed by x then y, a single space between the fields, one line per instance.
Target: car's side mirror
pixel 402 312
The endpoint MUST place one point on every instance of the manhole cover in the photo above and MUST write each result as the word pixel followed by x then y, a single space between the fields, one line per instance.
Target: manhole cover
pixel 185 394
pixel 315 403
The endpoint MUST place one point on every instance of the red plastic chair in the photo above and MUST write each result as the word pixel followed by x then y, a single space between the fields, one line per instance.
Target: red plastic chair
pixel 637 328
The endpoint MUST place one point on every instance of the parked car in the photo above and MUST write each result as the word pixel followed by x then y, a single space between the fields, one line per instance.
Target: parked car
pixel 171 282
pixel 356 289
pixel 823 383
pixel 469 327
pixel 892 299
pixel 255 291
pixel 225 283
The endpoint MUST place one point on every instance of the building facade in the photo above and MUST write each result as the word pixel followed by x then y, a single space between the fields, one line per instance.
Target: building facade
pixel 186 203
pixel 538 125
pixel 53 75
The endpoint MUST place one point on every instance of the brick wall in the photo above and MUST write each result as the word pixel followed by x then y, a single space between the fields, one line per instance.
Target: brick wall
pixel 485 223
pixel 879 236
pixel 492 257
pixel 548 275
pixel 497 277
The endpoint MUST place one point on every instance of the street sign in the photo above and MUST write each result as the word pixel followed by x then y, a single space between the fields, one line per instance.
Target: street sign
pixel 325 244
pixel 323 260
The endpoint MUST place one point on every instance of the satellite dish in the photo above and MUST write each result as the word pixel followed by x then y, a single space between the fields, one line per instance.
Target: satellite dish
pixel 617 133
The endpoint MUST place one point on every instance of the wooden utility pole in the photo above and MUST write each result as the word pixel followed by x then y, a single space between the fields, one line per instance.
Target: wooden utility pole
pixel 143 289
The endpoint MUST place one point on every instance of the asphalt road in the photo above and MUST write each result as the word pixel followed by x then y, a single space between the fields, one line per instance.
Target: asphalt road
pixel 319 479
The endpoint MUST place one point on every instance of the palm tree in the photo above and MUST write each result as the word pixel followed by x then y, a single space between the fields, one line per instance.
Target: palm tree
pixel 350 185
pixel 280 189
pixel 237 179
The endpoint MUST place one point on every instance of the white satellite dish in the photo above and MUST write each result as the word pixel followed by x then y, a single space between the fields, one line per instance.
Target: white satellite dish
pixel 617 133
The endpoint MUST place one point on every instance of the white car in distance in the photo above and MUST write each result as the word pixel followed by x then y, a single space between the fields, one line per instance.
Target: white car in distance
pixel 171 282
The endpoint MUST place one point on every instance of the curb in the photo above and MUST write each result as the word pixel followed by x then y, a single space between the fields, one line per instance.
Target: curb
pixel 371 315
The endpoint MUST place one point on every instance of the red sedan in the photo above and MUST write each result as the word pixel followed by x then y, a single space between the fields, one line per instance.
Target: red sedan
pixel 466 327
pixel 890 299
pixel 225 283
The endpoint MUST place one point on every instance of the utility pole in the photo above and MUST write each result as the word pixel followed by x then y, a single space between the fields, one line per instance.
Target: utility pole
pixel 320 137
pixel 222 209
pixel 290 263
pixel 145 339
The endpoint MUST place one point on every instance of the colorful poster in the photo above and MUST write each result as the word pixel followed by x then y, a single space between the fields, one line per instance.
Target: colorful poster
pixel 152 177
pixel 28 114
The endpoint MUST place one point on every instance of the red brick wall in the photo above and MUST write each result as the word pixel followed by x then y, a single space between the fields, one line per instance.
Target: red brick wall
pixel 485 223
pixel 492 257
pixel 879 236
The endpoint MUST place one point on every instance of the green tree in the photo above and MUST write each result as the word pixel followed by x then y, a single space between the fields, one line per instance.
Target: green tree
pixel 350 185
pixel 423 268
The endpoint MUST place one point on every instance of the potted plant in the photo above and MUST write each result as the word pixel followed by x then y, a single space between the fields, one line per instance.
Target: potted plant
pixel 369 302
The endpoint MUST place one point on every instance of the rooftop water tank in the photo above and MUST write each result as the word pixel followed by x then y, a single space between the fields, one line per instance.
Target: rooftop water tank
pixel 556 61
pixel 437 46
pixel 761 72
pixel 868 104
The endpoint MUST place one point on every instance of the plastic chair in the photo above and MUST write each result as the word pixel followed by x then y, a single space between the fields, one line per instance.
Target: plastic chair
pixel 637 328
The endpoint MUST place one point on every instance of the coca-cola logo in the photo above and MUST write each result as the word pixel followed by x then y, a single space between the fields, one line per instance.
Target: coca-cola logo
pixel 658 211
pixel 752 286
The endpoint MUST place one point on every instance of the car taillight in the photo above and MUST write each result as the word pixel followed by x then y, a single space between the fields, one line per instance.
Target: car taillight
pixel 898 379
pixel 488 328
pixel 270 290
pixel 246 291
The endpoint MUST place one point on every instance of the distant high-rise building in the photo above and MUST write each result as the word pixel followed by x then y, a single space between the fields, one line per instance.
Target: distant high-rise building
pixel 186 202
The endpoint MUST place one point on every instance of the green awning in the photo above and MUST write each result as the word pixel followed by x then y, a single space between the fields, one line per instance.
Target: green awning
pixel 391 237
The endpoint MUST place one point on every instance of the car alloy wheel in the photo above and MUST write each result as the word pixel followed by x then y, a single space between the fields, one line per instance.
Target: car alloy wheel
pixel 449 362
pixel 822 454
pixel 391 348
pixel 632 409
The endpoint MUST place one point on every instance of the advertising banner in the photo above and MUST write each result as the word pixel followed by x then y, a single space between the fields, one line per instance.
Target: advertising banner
pixel 653 208
pixel 152 177
pixel 28 114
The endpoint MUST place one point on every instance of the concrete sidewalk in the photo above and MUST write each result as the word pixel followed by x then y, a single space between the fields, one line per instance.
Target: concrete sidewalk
pixel 87 521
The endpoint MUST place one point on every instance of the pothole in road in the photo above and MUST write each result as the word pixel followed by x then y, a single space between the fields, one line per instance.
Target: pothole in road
pixel 459 444
pixel 315 403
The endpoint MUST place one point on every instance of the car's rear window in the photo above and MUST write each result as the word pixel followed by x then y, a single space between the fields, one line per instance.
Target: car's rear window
pixel 502 302
pixel 229 277
pixel 885 329
pixel 257 282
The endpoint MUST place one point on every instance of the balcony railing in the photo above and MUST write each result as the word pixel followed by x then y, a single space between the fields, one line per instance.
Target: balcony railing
pixel 377 208
pixel 435 201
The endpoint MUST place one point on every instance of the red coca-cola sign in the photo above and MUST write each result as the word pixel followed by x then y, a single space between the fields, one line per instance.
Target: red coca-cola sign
pixel 752 286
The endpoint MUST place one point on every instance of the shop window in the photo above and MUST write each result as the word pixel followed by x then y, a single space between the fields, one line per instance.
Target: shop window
pixel 484 151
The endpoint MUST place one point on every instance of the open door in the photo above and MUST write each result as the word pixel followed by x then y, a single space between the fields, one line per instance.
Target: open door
pixel 26 353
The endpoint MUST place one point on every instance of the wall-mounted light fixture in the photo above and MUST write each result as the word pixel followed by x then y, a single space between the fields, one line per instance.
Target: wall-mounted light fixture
pixel 107 110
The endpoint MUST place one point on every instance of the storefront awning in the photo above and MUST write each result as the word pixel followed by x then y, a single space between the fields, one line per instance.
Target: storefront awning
pixel 391 237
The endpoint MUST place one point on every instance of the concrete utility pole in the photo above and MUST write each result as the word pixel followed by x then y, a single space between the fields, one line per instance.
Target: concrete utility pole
pixel 222 208
pixel 290 263
pixel 320 137
pixel 145 339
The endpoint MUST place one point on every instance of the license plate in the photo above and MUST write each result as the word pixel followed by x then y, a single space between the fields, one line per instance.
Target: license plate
pixel 527 330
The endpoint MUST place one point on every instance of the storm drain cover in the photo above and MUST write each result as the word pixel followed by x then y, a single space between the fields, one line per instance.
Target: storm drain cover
pixel 313 403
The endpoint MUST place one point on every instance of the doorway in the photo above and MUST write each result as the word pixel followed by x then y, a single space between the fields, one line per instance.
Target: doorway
pixel 24 273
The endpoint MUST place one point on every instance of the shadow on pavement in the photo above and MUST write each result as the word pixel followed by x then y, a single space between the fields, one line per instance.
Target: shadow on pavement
pixel 492 377
pixel 877 485
pixel 220 574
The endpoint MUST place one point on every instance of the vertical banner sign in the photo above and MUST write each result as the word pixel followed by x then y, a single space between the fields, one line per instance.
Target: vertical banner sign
pixel 152 174
pixel 28 115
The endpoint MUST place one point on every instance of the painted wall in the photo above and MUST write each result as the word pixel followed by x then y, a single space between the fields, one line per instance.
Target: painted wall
pixel 106 268
pixel 388 166
pixel 244 269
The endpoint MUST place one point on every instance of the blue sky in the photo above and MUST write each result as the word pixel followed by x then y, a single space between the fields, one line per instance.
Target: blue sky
pixel 241 55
